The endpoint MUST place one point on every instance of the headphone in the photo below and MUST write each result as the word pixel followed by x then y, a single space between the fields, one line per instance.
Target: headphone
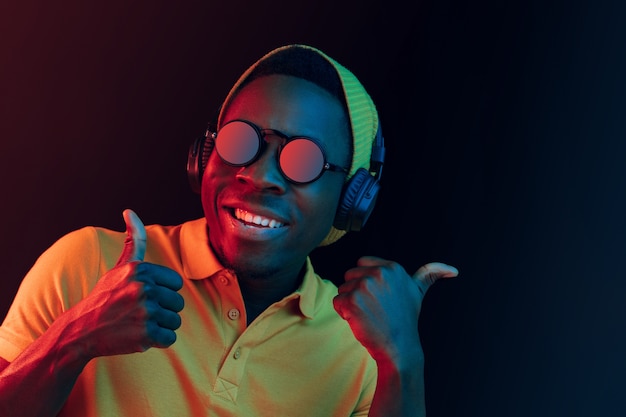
pixel 358 196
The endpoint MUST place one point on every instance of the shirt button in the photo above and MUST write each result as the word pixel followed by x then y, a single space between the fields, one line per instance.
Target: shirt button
pixel 224 280
pixel 233 314
pixel 237 353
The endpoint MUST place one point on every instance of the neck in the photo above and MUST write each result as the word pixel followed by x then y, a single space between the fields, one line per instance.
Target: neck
pixel 260 292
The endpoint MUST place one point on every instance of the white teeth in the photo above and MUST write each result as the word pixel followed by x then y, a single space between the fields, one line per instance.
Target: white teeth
pixel 256 219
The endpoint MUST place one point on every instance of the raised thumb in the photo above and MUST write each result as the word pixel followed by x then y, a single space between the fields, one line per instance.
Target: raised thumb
pixel 135 243
pixel 431 272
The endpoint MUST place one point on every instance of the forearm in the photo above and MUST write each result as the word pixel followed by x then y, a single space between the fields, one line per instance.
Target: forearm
pixel 47 371
pixel 400 389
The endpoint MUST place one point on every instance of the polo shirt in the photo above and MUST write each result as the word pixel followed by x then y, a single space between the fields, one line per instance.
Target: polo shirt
pixel 298 358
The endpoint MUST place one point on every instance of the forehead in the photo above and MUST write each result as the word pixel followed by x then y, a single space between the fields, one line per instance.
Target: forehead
pixel 293 106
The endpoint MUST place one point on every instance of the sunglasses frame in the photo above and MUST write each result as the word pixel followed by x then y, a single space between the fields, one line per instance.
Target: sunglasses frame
pixel 261 134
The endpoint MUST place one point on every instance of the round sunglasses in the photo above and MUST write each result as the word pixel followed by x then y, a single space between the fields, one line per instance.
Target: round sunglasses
pixel 301 159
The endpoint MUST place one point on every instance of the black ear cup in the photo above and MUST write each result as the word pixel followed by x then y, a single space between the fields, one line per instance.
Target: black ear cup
pixel 199 153
pixel 357 201
pixel 359 194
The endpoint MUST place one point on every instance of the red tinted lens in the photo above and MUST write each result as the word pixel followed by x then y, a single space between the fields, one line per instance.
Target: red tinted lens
pixel 237 143
pixel 301 160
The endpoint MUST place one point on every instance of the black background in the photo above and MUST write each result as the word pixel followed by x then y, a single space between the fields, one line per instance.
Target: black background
pixel 505 127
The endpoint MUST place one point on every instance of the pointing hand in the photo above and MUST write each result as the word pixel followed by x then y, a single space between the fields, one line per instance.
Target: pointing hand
pixel 381 302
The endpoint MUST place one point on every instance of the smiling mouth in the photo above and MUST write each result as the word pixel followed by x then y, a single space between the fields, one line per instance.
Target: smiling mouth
pixel 257 220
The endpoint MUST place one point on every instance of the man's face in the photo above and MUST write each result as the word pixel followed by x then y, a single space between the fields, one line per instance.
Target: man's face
pixel 294 218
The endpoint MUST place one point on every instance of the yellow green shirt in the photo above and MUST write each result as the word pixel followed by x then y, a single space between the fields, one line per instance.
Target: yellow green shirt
pixel 298 358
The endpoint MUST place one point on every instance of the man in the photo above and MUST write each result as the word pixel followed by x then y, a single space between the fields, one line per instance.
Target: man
pixel 224 316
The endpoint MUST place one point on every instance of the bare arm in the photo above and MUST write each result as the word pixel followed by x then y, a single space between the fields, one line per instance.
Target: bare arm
pixel 381 303
pixel 49 367
pixel 133 307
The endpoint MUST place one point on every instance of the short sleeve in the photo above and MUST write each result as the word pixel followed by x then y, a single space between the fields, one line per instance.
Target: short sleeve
pixel 62 276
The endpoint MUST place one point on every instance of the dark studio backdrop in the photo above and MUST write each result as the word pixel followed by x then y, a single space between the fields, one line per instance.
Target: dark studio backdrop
pixel 505 128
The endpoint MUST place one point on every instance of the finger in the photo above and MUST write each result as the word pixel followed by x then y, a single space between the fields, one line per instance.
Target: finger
pixel 169 299
pixel 160 275
pixel 167 319
pixel 338 306
pixel 136 238
pixel 135 243
pixel 160 336
pixel 366 266
pixel 348 286
pixel 371 261
pixel 428 274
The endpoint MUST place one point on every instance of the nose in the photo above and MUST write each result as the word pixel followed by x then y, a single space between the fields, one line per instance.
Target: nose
pixel 263 173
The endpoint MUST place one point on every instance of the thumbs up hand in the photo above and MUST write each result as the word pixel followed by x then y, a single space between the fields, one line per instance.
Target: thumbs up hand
pixel 381 302
pixel 134 306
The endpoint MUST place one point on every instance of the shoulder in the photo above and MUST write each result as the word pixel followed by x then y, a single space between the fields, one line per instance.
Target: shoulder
pixel 99 245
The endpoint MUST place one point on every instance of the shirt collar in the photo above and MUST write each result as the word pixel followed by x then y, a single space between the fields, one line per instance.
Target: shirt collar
pixel 199 262
pixel 198 259
pixel 308 291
